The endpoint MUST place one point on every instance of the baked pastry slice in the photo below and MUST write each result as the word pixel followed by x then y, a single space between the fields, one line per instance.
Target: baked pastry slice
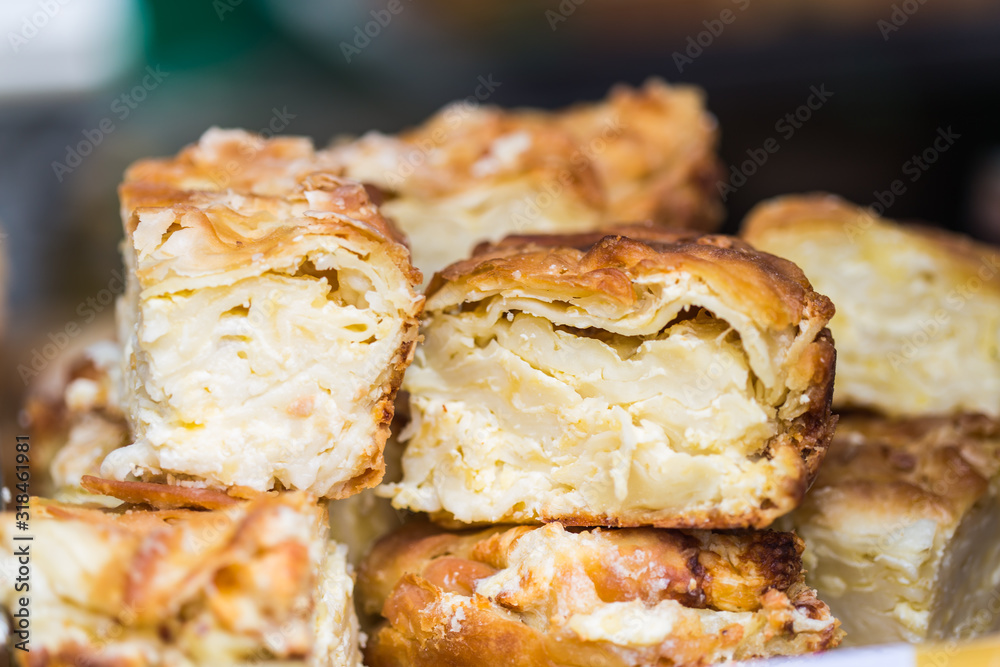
pixel 635 377
pixel 901 528
pixel 551 596
pixel 250 583
pixel 472 173
pixel 918 309
pixel 266 324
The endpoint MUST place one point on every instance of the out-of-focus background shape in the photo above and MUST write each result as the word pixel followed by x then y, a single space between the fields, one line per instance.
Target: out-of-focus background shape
pixel 87 86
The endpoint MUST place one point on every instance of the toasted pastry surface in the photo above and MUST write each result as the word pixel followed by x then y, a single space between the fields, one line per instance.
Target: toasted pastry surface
pixel 901 527
pixel 633 377
pixel 473 172
pixel 552 596
pixel 269 315
pixel 918 309
pixel 256 582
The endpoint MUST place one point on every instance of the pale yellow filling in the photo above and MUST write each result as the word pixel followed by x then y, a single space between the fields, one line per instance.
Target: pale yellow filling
pixel 906 578
pixel 516 418
pixel 271 379
pixel 909 339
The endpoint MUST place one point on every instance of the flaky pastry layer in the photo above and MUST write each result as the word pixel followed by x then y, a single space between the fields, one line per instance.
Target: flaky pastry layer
pixel 664 379
pixel 269 315
pixel 255 583
pixel 918 309
pixel 472 172
pixel 901 528
pixel 551 596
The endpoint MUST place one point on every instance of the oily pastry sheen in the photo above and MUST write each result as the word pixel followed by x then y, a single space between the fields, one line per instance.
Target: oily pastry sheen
pixel 639 377
pixel 550 596
pixel 654 151
pixel 475 172
pixel 269 315
pixel 901 528
pixel 918 309
pixel 254 583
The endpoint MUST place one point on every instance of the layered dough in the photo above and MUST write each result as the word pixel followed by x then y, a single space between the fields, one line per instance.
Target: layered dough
pixel 76 424
pixel 268 318
pixel 918 309
pixel 551 596
pixel 662 379
pixel 250 583
pixel 901 528
pixel 472 173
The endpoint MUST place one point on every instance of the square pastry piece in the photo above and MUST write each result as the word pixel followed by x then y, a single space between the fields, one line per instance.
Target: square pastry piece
pixel 918 309
pixel 634 377
pixel 268 318
pixel 530 596
pixel 902 528
pixel 477 172
pixel 250 583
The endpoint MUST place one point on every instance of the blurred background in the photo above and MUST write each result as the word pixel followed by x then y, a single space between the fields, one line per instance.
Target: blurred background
pixel 87 86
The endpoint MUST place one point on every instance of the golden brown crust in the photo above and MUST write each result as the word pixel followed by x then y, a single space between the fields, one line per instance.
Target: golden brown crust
pixel 228 238
pixel 643 153
pixel 158 496
pixel 917 327
pixel 461 145
pixel 660 165
pixel 237 161
pixel 529 606
pixel 938 467
pixel 607 262
pixel 958 253
pixel 178 586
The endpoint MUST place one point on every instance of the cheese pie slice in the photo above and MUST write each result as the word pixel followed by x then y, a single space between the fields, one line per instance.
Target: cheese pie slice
pixel 625 378
pixel 269 315
pixel 533 596
pixel 901 528
pixel 472 173
pixel 918 309
pixel 249 583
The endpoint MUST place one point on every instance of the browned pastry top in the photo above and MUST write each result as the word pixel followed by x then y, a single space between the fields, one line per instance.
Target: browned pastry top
pixel 235 199
pixel 607 263
pixel 535 593
pixel 934 467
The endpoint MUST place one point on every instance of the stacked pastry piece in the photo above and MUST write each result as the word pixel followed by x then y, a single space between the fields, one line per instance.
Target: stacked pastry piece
pixel 901 524
pixel 217 582
pixel 269 314
pixel 472 173
pixel 663 382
